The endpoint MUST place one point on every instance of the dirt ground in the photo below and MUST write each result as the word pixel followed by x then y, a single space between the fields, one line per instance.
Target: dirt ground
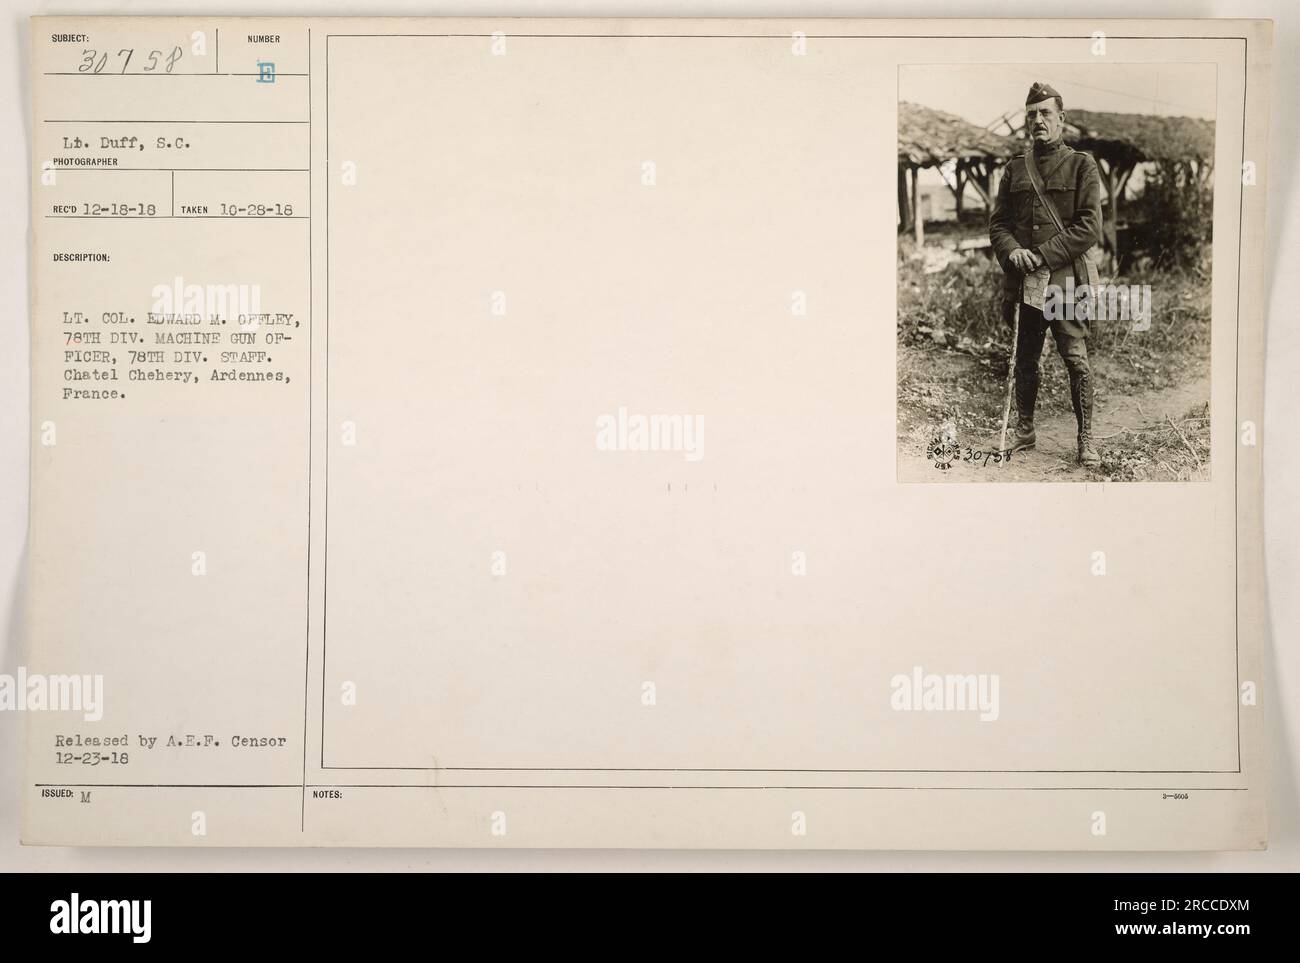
pixel 1159 434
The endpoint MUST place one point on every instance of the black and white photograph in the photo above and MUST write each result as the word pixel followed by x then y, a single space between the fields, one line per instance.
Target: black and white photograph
pixel 1054 272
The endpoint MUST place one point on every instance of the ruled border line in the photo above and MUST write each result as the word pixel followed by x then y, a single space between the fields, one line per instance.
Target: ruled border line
pixel 784 37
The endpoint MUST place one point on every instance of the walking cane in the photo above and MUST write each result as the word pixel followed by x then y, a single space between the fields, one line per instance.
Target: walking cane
pixel 1011 367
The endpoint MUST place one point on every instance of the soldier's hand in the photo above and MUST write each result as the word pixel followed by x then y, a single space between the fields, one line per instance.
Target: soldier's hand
pixel 1022 260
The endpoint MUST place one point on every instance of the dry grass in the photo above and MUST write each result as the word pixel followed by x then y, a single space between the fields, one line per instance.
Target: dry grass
pixel 1170 450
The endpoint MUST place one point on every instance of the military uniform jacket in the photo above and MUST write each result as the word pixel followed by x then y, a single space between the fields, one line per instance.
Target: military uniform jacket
pixel 1019 219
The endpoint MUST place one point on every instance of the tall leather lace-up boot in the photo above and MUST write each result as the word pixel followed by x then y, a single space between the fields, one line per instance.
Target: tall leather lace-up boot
pixel 1026 398
pixel 1081 396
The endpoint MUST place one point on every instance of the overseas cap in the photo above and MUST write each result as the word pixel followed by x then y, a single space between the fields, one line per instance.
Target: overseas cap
pixel 1041 91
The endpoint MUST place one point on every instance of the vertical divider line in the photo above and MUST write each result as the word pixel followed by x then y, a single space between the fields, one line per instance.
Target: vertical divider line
pixel 311 364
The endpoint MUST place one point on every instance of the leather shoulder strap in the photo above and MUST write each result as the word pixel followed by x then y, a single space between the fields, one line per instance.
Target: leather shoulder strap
pixel 1031 168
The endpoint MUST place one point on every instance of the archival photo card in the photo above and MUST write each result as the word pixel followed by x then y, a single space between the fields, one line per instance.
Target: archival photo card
pixel 482 433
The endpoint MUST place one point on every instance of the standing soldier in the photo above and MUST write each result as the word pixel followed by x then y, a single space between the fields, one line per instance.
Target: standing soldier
pixel 1044 223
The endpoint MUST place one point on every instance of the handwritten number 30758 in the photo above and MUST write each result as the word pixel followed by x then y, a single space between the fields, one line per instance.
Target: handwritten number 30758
pixel 94 61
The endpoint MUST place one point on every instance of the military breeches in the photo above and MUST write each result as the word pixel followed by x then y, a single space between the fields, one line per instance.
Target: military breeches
pixel 1029 349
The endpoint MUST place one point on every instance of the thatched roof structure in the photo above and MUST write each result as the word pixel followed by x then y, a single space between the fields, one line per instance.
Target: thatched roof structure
pixel 1136 138
pixel 967 154
pixel 928 138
